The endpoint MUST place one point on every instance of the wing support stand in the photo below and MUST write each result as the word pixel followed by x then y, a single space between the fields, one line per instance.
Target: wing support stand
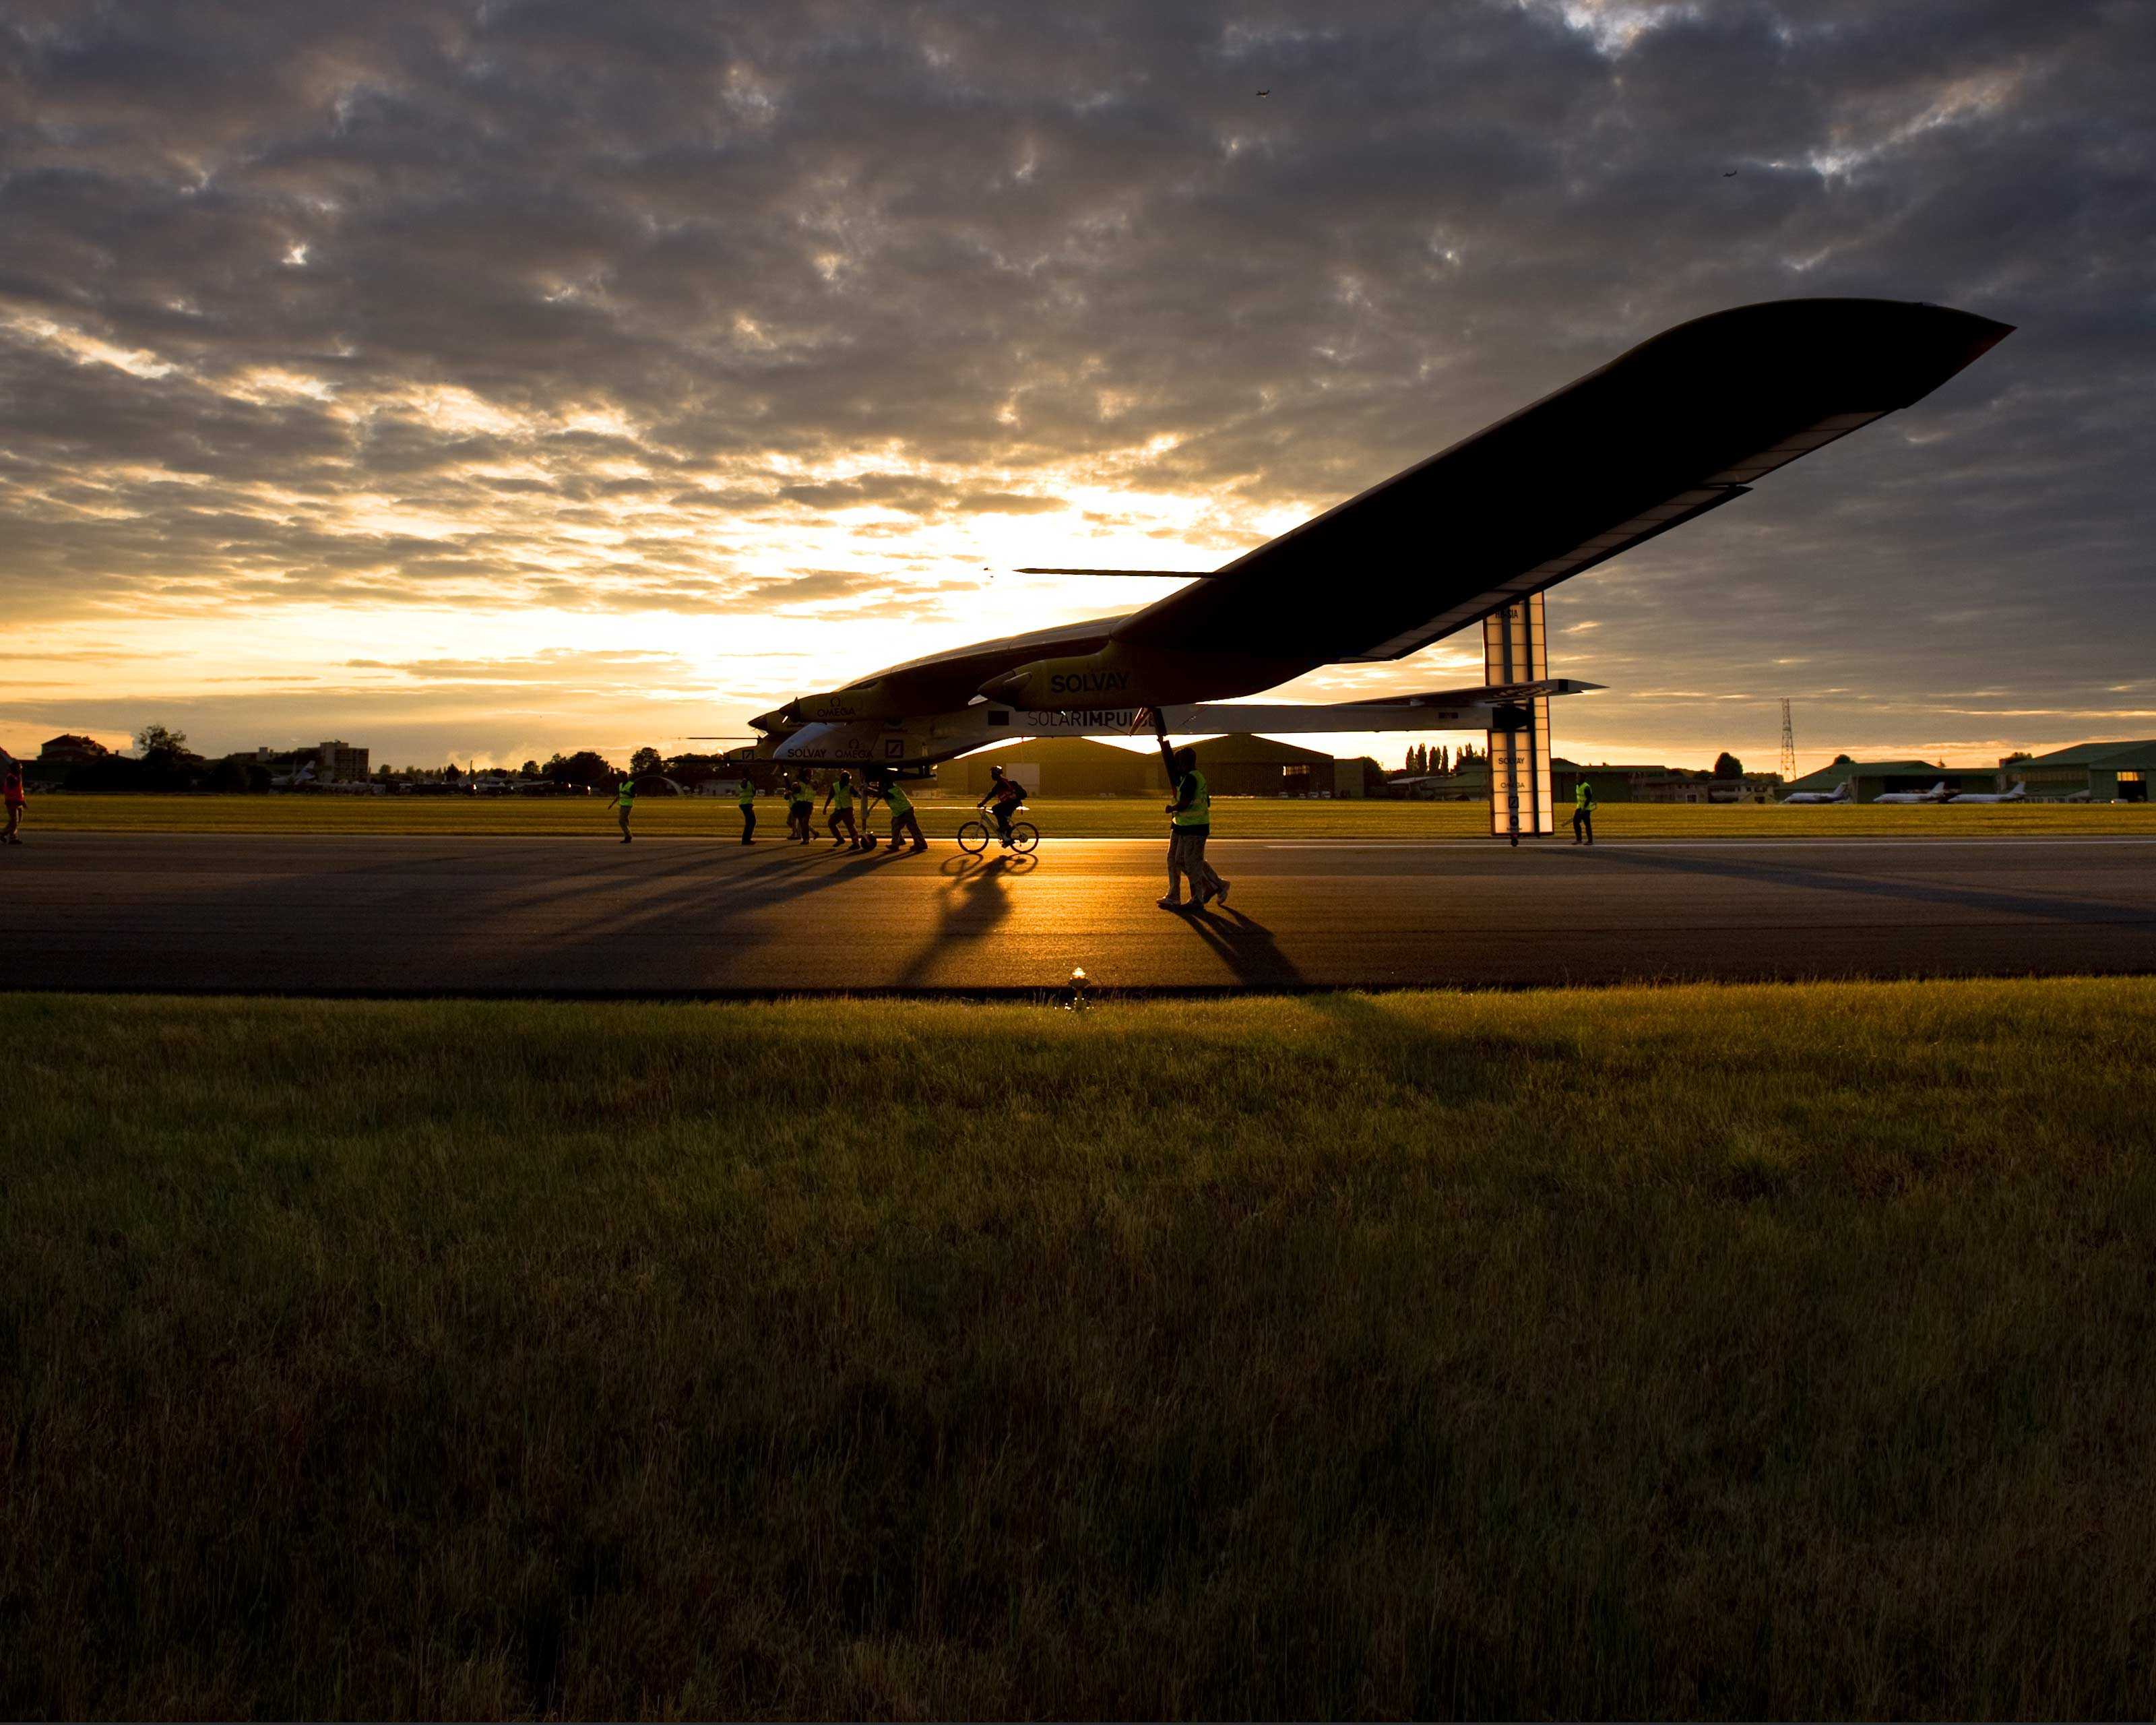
pixel 1514 650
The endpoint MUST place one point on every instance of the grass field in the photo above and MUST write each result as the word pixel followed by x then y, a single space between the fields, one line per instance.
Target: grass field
pixel 1770 1352
pixel 1072 817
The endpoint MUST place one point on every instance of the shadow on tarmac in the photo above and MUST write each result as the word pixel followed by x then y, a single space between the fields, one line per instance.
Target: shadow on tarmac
pixel 1827 878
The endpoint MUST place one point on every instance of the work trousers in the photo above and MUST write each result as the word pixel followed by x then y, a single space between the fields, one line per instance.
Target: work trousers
pixel 748 823
pixel 14 821
pixel 1186 857
pixel 908 823
pixel 846 815
pixel 1583 826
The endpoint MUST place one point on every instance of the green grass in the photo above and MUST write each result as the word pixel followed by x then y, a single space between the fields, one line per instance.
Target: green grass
pixel 1761 1351
pixel 1773 1353
pixel 1104 818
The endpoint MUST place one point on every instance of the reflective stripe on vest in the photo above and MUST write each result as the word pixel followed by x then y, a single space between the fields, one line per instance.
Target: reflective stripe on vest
pixel 1200 813
pixel 747 793
pixel 842 797
pixel 626 793
pixel 900 803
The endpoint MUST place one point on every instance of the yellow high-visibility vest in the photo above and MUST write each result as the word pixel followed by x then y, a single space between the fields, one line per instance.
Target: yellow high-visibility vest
pixel 1200 813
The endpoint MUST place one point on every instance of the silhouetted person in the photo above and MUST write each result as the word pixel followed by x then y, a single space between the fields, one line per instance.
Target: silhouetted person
pixel 1583 806
pixel 1002 799
pixel 1190 824
pixel 747 798
pixel 10 789
pixel 625 799
pixel 842 793
pixel 903 819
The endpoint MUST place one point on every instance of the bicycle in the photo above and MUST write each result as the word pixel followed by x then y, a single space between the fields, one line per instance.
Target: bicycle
pixel 974 835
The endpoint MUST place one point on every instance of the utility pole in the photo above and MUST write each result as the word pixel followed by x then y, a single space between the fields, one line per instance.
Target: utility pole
pixel 1788 744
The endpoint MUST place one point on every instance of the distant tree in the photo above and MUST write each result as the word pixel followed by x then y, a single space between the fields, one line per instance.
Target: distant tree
pixel 530 769
pixel 451 775
pixel 1841 761
pixel 156 740
pixel 646 761
pixel 1728 766
pixel 584 768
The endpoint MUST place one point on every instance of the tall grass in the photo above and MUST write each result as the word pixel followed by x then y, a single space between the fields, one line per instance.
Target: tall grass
pixel 1057 817
pixel 1705 1351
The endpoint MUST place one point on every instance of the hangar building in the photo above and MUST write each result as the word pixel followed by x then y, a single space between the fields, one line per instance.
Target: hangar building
pixel 1056 767
pixel 1238 765
pixel 1869 779
pixel 2103 772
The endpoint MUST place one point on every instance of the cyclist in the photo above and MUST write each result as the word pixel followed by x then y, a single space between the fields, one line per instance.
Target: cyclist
pixel 1005 794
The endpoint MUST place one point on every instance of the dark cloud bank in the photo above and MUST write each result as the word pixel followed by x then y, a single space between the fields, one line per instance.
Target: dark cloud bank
pixel 389 302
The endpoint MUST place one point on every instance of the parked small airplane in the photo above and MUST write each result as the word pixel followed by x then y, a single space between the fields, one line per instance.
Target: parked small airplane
pixel 1681 425
pixel 1840 793
pixel 1939 793
pixel 2018 794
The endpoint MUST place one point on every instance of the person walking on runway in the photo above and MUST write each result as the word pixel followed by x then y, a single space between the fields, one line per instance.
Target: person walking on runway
pixel 747 798
pixel 842 793
pixel 11 787
pixel 1583 806
pixel 800 799
pixel 903 819
pixel 1190 824
pixel 625 799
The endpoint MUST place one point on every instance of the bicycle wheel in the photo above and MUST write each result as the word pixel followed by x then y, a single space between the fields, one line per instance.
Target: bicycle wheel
pixel 1025 835
pixel 974 838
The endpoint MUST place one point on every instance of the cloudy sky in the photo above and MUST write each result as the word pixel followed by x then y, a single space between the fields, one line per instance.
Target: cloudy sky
pixel 476 380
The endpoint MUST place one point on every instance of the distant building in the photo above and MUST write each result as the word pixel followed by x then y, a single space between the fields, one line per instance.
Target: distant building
pixel 1056 767
pixel 1868 780
pixel 69 750
pixel 1612 784
pixel 333 762
pixel 1241 765
pixel 2102 772
pixel 1238 765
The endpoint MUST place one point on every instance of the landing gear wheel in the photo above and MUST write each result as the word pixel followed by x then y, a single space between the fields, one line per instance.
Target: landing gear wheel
pixel 1025 835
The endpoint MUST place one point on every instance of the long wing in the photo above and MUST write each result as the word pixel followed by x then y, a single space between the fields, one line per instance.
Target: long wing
pixel 1678 426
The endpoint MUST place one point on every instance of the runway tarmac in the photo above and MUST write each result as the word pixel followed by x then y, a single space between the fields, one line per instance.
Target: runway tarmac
pixel 591 917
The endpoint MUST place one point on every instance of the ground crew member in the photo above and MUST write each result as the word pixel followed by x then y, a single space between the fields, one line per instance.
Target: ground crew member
pixel 11 787
pixel 1007 794
pixel 903 819
pixel 1583 806
pixel 800 799
pixel 625 799
pixel 1190 824
pixel 842 793
pixel 748 809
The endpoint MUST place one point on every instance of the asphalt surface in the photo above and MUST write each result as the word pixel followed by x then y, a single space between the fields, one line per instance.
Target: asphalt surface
pixel 575 916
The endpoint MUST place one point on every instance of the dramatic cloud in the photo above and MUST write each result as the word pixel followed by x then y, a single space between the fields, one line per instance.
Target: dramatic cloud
pixel 531 337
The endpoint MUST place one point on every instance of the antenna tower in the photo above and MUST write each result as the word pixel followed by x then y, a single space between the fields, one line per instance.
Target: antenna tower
pixel 1788 744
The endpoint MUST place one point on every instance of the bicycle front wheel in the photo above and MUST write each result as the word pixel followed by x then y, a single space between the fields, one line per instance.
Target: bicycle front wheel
pixel 974 838
pixel 1025 835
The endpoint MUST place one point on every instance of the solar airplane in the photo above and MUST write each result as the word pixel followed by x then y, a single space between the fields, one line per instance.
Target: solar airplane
pixel 1681 425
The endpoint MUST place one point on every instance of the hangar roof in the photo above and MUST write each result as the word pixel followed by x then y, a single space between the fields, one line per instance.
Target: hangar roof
pixel 2112 755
